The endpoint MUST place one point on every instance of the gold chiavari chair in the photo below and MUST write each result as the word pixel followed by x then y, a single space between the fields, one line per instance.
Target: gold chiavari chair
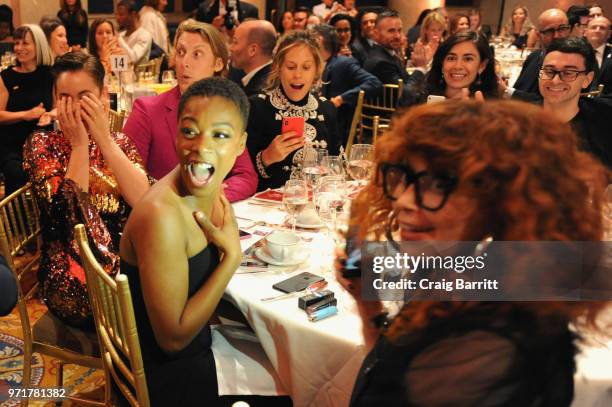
pixel 116 325
pixel 149 69
pixel 115 120
pixel 19 230
pixel 594 93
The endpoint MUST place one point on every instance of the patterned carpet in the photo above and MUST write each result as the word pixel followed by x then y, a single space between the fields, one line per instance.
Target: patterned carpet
pixel 77 379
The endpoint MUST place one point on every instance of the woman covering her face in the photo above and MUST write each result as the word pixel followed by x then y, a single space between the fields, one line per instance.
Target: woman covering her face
pixel 82 173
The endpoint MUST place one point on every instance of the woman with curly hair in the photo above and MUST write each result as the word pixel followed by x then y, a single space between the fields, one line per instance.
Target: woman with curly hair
pixel 467 171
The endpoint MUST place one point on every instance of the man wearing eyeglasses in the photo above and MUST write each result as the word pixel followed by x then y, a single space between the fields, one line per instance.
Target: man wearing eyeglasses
pixel 598 35
pixel 552 24
pixel 568 69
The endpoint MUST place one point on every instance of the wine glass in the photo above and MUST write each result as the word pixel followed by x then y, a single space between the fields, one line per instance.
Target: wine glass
pixel 333 164
pixel 330 201
pixel 295 198
pixel 168 77
pixel 359 162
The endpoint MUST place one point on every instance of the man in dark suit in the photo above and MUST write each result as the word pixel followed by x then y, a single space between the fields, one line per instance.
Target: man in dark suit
pixel 251 48
pixel 568 68
pixel 365 39
pixel 598 34
pixel 384 61
pixel 552 24
pixel 343 78
pixel 214 11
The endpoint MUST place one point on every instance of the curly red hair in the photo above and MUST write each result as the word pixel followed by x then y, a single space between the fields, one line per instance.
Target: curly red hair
pixel 521 166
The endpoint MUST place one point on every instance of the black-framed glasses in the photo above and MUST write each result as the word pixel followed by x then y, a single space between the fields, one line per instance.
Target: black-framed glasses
pixel 567 75
pixel 431 189
pixel 562 29
pixel 342 30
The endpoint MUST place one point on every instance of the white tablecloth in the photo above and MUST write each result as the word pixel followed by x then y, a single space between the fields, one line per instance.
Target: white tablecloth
pixel 318 362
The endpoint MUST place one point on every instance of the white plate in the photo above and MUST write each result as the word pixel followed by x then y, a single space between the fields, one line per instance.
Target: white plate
pixel 261 254
pixel 308 225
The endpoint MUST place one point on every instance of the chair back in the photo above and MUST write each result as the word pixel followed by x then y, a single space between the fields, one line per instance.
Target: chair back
pixel 149 69
pixel 594 93
pixel 20 228
pixel 115 119
pixel 383 106
pixel 355 123
pixel 115 320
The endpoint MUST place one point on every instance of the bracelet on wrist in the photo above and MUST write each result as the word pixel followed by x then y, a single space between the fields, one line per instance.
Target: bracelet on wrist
pixel 261 168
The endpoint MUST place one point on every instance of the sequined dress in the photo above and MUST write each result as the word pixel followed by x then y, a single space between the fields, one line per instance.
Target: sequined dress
pixel 63 205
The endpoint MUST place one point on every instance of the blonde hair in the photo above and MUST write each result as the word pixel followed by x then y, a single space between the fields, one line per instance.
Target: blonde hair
pixel 287 42
pixel 527 24
pixel 43 51
pixel 209 34
pixel 429 20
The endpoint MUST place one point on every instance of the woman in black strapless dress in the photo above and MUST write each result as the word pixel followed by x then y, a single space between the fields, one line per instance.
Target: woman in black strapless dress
pixel 180 247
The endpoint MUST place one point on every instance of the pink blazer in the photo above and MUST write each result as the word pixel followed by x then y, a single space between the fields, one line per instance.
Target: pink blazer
pixel 152 126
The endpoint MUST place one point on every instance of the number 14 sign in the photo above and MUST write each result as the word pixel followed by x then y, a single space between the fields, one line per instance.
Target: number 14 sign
pixel 119 63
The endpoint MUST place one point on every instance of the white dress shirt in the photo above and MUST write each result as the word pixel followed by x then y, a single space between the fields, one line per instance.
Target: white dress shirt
pixel 599 54
pixel 154 22
pixel 247 78
pixel 322 10
pixel 137 45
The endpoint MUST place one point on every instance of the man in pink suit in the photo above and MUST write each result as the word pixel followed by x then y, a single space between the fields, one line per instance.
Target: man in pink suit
pixel 153 123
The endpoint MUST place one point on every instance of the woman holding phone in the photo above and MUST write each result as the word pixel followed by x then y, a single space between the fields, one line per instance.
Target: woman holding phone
pixel 287 115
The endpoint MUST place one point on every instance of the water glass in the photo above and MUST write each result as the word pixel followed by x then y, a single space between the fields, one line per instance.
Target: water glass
pixel 295 198
pixel 333 164
pixel 312 169
pixel 360 162
pixel 330 201
pixel 168 77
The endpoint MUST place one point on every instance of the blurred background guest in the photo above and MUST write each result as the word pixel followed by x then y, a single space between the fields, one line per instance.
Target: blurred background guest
pixel 296 71
pixel 74 18
pixel 55 32
pixel 134 39
pixel 251 49
pixel 459 22
pixel 433 31
pixel 200 52
pixel 518 27
pixel 598 35
pixel 415 31
pixel 346 28
pixel 324 9
pixel 595 10
pixel 578 18
pixel 103 42
pixel 364 40
pixel 6 25
pixel 343 79
pixel 152 20
pixel 313 20
pixel 25 97
pixel 286 23
pixel 300 18
pixel 466 171
pixel 83 173
pixel 476 23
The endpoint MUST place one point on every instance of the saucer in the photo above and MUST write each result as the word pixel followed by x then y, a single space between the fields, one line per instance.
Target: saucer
pixel 309 225
pixel 262 255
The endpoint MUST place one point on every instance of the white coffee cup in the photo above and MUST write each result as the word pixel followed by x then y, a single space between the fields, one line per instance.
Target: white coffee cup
pixel 283 246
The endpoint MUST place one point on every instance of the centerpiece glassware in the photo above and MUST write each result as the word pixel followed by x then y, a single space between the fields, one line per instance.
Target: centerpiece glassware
pixel 360 162
pixel 295 198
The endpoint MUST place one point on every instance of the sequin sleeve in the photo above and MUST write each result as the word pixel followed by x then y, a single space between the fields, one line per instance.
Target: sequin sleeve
pixel 129 148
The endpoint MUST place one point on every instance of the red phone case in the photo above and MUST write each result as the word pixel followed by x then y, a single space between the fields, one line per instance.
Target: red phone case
pixel 293 124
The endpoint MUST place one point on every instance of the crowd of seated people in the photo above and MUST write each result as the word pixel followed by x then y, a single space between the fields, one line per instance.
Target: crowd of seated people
pixel 216 138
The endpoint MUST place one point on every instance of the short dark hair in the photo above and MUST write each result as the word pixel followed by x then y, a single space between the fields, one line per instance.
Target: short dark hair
pixel 217 86
pixel 131 5
pixel 330 37
pixel 49 24
pixel 79 61
pixel 302 9
pixel 6 16
pixel 386 14
pixel 575 45
pixel 574 13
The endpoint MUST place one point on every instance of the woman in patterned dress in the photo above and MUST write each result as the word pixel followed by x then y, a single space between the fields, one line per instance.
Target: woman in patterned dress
pixel 296 69
pixel 82 173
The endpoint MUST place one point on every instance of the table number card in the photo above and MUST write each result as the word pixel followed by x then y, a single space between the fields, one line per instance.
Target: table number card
pixel 119 63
